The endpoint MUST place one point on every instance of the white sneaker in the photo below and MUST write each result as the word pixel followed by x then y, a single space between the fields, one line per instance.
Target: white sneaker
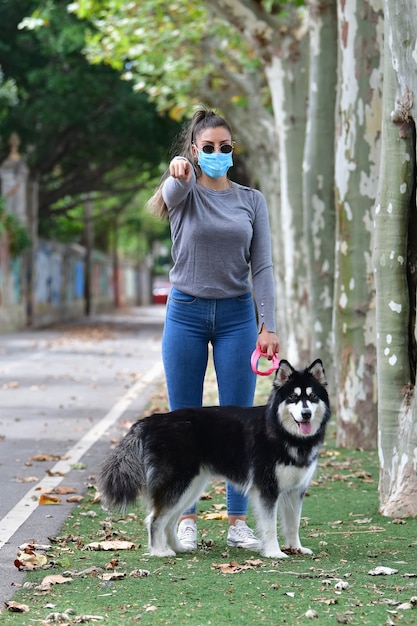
pixel 241 536
pixel 187 534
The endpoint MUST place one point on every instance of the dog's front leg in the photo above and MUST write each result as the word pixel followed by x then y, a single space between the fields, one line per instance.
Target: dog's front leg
pixel 157 540
pixel 266 527
pixel 172 536
pixel 290 505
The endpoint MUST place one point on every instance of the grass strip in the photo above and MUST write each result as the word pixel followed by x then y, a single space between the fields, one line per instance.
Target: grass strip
pixel 221 585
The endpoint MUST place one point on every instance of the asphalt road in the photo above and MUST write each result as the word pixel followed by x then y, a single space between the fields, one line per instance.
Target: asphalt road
pixel 65 393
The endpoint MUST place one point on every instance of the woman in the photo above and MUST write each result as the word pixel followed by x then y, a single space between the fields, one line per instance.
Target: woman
pixel 220 239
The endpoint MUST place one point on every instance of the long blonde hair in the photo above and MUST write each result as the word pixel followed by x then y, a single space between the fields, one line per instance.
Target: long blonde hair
pixel 202 119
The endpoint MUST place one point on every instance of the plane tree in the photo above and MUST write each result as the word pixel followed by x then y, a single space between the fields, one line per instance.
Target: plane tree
pixel 395 266
pixel 357 155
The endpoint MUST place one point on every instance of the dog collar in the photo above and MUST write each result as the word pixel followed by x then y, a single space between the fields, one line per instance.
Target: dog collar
pixel 256 355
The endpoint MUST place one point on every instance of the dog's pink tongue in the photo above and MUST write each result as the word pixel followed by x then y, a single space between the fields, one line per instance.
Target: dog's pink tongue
pixel 305 428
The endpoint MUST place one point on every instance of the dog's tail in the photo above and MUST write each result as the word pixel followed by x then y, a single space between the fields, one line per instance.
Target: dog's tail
pixel 122 476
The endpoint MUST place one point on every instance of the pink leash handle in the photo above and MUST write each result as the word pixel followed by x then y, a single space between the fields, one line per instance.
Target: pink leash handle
pixel 256 354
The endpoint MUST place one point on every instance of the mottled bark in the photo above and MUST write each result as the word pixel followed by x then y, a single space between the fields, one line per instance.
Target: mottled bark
pixel 288 81
pixel 357 162
pixel 318 180
pixel 281 43
pixel 395 268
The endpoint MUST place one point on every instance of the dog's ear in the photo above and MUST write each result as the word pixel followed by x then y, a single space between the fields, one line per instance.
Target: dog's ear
pixel 284 372
pixel 316 369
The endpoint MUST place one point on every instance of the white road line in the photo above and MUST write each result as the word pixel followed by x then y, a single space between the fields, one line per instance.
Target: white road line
pixel 17 516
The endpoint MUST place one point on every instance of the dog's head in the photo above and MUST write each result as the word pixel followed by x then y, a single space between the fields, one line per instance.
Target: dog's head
pixel 301 399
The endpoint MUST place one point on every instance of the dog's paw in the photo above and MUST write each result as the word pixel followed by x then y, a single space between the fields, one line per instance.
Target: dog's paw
pixel 274 554
pixel 162 553
pixel 293 551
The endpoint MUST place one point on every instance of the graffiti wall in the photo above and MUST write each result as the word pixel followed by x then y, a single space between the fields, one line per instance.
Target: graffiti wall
pixel 57 290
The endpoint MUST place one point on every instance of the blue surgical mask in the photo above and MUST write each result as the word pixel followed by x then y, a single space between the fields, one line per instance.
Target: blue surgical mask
pixel 216 164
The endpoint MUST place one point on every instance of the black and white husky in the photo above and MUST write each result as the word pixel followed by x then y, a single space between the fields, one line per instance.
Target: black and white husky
pixel 269 452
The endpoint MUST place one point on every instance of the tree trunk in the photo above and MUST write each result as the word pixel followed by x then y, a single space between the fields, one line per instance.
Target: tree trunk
pixel 287 76
pixel 281 43
pixel 318 180
pixel 357 161
pixel 395 261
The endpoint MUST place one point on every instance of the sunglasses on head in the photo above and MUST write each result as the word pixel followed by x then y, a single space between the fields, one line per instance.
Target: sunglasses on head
pixel 226 148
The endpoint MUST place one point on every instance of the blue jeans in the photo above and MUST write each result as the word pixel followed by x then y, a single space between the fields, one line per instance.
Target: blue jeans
pixel 229 324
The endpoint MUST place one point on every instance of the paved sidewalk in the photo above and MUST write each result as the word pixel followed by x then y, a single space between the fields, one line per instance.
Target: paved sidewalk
pixel 64 395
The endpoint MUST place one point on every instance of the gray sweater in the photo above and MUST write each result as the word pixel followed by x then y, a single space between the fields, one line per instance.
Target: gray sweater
pixel 219 240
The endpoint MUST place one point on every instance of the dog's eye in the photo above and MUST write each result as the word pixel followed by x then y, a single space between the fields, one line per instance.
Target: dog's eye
pixel 293 398
pixel 313 396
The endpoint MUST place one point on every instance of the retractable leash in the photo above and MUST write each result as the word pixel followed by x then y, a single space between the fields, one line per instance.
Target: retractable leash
pixel 256 355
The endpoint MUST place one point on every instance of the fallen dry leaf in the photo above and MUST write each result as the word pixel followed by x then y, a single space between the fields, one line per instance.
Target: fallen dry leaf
pixel 40 458
pixel 343 618
pixel 84 334
pixel 90 571
pixel 405 606
pixel 382 571
pixel 235 568
pixel 219 515
pixel 341 585
pixel 75 499
pixel 48 498
pixel 59 618
pixel 54 579
pixel 139 573
pixel 112 575
pixel 13 384
pixel 30 560
pixel 111 545
pixel 65 490
pixel 28 479
pixel 91 514
pixel 255 562
pixel 327 601
pixel 16 607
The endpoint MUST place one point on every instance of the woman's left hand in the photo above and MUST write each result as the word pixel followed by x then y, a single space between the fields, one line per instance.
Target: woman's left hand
pixel 268 343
